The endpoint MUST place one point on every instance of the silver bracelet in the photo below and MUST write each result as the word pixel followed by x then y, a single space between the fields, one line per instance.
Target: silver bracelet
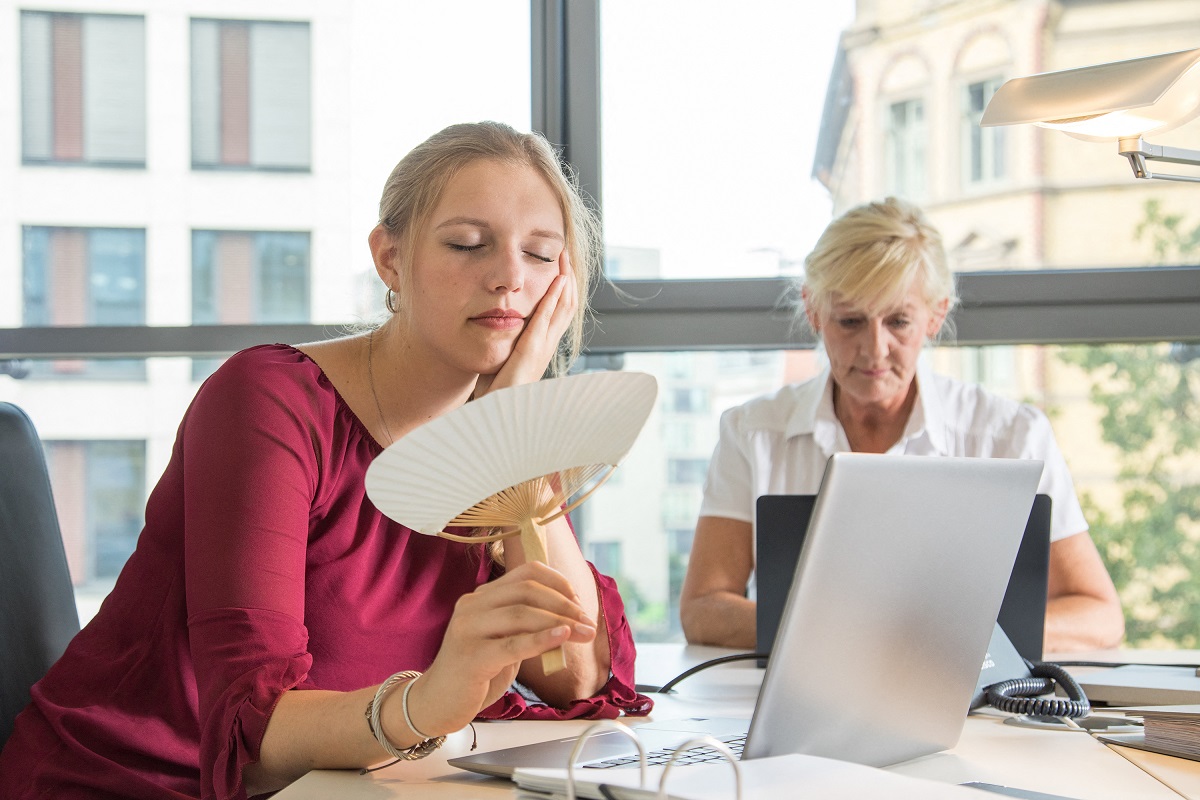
pixel 419 750
pixel 404 707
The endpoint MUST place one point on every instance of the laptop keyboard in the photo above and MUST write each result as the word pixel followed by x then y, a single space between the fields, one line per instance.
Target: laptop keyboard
pixel 654 758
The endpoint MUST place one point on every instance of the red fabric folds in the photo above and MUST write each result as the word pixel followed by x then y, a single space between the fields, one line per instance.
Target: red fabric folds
pixel 240 680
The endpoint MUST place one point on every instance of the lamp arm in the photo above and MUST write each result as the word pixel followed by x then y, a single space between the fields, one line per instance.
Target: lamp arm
pixel 1139 152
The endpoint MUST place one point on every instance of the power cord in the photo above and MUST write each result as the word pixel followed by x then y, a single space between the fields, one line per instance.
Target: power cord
pixel 669 685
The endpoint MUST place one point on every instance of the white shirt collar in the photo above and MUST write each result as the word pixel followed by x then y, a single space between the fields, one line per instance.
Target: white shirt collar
pixel 813 413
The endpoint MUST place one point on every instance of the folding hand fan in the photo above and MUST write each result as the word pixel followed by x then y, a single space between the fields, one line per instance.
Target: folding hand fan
pixel 513 459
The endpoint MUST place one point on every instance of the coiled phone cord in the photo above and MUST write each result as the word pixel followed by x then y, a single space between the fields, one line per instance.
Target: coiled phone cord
pixel 1018 696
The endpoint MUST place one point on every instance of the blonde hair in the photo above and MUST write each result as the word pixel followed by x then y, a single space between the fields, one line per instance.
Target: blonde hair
pixel 416 185
pixel 872 255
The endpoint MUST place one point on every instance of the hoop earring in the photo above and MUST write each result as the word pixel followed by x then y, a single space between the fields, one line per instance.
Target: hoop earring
pixel 389 300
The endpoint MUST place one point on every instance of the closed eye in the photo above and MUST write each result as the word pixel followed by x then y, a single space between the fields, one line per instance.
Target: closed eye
pixel 464 248
pixel 540 257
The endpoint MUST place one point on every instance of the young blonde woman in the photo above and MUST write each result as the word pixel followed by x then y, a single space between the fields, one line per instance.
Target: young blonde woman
pixel 876 289
pixel 272 621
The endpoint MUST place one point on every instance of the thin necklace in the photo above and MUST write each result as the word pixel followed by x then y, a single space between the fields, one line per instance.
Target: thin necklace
pixel 374 394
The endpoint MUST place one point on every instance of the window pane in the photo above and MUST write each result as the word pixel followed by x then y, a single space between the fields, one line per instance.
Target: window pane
pixel 115 102
pixel 1127 418
pixel 251 90
pixel 984 147
pixel 709 122
pixel 100 490
pixel 906 150
pixel 243 277
pixel 118 260
pixel 83 88
pixel 283 277
pixel 116 497
pixel 84 276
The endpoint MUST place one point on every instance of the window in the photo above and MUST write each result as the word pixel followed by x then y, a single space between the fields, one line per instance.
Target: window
pixel 705 130
pixel 679 435
pixel 687 470
pixel 606 556
pixel 245 277
pixel 904 155
pixel 83 89
pixel 85 276
pixel 983 148
pixel 693 400
pixel 251 95
pixel 100 495
pixel 242 277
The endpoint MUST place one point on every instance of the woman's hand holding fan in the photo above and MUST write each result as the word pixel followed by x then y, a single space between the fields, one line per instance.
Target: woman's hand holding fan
pixel 514 460
pixel 522 614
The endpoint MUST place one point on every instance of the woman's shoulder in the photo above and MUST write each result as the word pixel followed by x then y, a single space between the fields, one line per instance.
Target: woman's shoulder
pixel 268 356
pixel 974 406
pixel 774 410
pixel 266 363
pixel 269 374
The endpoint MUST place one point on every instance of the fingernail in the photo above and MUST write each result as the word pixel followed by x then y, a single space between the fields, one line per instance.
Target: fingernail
pixel 584 630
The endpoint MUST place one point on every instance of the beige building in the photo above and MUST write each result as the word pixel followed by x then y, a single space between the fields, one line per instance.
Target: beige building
pixel 901 118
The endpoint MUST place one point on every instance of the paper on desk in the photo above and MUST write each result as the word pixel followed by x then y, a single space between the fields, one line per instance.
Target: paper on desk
pixel 1170 730
pixel 775 777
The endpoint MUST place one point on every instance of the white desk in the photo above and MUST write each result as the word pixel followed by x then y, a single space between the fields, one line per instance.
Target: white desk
pixel 1067 763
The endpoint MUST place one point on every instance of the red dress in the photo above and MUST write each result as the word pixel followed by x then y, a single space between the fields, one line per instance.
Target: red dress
pixel 262 567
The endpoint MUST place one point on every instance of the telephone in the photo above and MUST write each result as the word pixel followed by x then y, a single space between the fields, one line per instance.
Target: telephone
pixel 1010 683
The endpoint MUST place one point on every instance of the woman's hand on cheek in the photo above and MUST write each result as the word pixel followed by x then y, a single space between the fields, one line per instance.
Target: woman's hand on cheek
pixel 538 343
pixel 519 616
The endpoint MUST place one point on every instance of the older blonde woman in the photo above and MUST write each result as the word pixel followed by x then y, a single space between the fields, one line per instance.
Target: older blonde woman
pixel 877 288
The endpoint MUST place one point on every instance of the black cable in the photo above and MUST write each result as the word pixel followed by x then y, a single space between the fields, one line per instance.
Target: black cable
pixel 1121 664
pixel 1019 696
pixel 687 673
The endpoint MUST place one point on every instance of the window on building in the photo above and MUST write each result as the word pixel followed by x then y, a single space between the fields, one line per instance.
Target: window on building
pixel 606 557
pixel 687 470
pixel 85 276
pixel 688 400
pixel 83 89
pixel 241 277
pixel 904 156
pixel 983 148
pixel 251 95
pixel 100 496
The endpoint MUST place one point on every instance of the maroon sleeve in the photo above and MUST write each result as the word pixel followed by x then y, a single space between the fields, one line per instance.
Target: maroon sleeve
pixel 250 466
pixel 614 698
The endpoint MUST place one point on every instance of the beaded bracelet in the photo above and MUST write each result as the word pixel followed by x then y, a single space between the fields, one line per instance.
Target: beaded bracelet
pixel 419 750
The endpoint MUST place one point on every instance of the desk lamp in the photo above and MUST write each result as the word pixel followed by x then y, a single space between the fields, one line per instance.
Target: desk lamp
pixel 1120 101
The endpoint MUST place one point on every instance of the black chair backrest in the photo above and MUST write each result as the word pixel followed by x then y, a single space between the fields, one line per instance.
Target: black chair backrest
pixel 38 615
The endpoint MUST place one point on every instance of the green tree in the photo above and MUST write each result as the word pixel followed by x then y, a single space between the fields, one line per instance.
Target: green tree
pixel 1150 411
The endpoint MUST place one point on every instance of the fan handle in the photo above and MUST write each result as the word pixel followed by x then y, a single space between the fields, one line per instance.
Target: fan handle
pixel 533 541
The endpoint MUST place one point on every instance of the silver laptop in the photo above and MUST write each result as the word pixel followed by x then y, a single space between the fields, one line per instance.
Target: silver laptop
pixel 892 606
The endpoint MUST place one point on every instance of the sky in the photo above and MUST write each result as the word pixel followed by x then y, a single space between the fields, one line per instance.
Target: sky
pixel 710 125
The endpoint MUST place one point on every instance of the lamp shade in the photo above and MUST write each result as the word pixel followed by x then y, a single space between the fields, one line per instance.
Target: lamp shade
pixel 1105 102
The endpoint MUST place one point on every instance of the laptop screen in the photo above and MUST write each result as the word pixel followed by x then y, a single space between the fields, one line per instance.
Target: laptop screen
pixel 782 522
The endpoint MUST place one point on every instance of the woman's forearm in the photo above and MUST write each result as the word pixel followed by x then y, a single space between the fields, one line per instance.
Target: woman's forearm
pixel 312 729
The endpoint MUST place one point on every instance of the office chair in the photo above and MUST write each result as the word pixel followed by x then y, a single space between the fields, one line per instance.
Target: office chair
pixel 38 615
